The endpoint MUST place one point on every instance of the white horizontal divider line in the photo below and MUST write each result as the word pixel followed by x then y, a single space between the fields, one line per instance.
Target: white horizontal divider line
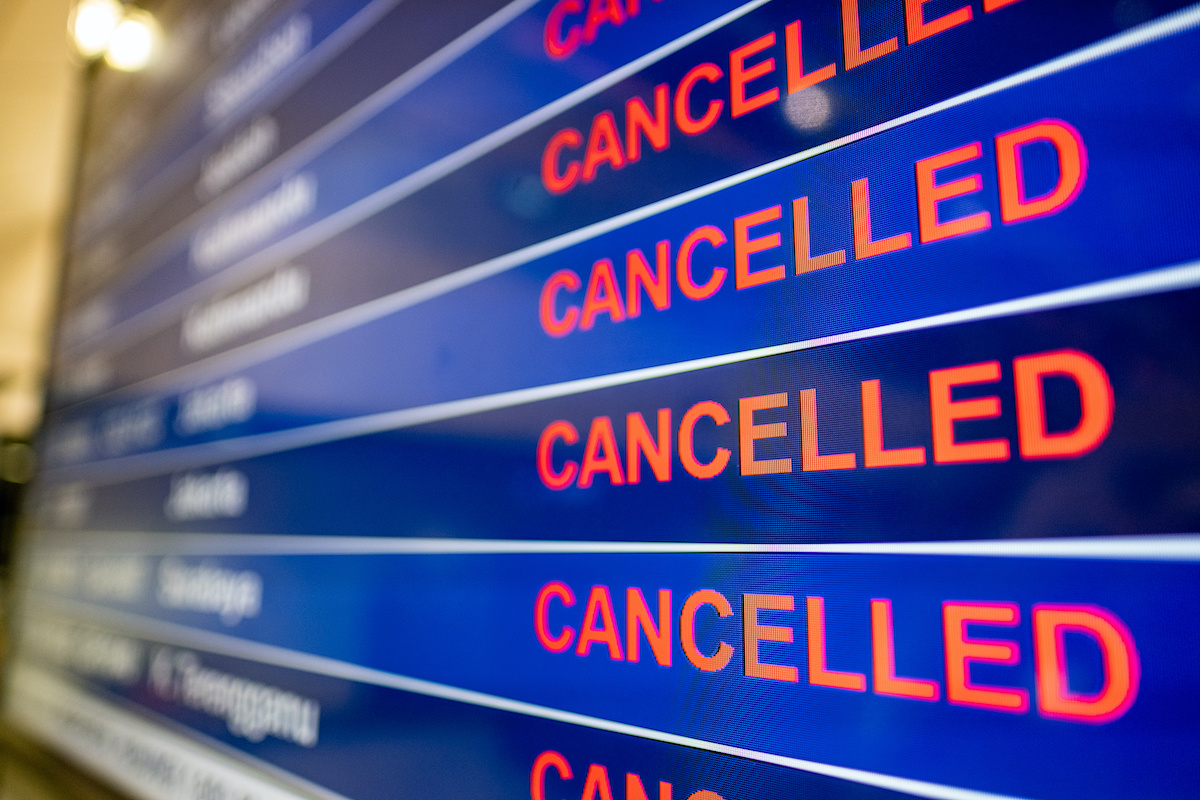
pixel 161 461
pixel 307 333
pixel 222 644
pixel 1151 547
pixel 314 145
pixel 345 218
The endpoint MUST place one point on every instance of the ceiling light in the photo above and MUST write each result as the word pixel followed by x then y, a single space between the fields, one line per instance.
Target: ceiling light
pixel 133 42
pixel 93 23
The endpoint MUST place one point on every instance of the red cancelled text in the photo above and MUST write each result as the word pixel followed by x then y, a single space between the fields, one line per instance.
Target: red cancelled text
pixel 572 24
pixel 653 448
pixel 596 783
pixel 698 101
pixel 971 633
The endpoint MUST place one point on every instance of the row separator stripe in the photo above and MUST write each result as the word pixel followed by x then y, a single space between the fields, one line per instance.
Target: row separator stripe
pixel 1152 547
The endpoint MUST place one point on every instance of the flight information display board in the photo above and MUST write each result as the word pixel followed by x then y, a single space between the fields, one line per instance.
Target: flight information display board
pixel 629 399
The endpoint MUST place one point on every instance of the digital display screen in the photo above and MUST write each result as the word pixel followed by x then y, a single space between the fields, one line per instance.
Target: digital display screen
pixel 628 399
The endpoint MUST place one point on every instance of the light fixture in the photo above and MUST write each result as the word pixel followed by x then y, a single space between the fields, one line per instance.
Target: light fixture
pixel 133 42
pixel 127 37
pixel 92 25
